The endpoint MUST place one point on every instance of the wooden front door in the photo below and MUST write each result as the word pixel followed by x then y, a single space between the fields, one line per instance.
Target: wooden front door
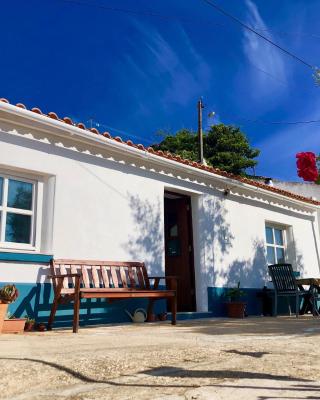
pixel 179 247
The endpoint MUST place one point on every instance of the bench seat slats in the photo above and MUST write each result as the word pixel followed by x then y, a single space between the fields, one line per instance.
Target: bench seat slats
pixel 105 277
pixel 114 277
pixel 95 277
pixel 131 277
pixel 85 276
pixel 123 277
pixel 140 278
pixel 63 271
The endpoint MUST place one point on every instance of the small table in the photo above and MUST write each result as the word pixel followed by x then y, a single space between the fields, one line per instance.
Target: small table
pixel 314 289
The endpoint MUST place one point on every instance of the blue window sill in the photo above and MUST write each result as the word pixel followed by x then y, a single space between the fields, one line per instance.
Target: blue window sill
pixel 26 257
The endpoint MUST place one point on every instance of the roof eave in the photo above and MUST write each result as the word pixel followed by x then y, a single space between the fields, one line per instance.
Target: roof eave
pixel 119 147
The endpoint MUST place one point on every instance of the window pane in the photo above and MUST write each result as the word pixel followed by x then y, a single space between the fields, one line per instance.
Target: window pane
pixel 280 255
pixel 270 255
pixel 269 235
pixel 278 235
pixel 1 190
pixel 173 224
pixel 18 228
pixel 20 194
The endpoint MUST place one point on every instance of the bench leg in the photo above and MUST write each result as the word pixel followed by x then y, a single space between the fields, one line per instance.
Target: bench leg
pixel 55 303
pixel 52 313
pixel 150 311
pixel 76 307
pixel 275 314
pixel 76 310
pixel 173 304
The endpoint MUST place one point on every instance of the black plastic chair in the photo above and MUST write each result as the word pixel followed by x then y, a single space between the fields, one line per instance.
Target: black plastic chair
pixel 285 285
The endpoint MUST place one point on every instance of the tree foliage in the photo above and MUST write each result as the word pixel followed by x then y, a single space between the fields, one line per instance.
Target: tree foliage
pixel 224 147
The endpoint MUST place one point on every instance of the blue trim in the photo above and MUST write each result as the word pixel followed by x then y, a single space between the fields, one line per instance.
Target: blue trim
pixel 217 299
pixel 26 257
pixel 35 301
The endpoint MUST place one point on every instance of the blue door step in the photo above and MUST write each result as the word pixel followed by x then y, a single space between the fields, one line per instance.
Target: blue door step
pixel 182 316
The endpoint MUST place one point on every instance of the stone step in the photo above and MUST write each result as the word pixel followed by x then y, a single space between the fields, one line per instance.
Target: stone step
pixel 181 316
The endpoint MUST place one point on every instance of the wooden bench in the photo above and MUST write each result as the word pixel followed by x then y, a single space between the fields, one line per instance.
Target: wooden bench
pixel 74 280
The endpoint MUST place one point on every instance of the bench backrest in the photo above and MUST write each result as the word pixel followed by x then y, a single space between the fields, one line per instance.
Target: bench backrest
pixel 283 277
pixel 101 274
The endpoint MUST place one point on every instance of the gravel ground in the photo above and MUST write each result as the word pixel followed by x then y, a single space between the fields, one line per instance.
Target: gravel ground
pixel 255 358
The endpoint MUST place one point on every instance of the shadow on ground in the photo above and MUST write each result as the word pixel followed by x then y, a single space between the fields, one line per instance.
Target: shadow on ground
pixel 264 326
pixel 217 374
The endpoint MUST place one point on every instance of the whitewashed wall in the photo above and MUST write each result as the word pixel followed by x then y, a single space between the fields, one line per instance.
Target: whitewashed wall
pixel 102 208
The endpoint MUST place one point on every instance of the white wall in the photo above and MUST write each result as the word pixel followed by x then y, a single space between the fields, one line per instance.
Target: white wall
pixel 111 209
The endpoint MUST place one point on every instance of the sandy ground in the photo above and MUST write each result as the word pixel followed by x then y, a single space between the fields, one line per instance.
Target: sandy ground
pixel 255 358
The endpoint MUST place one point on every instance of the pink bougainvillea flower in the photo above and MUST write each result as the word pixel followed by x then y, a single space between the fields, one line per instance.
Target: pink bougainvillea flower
pixel 307 166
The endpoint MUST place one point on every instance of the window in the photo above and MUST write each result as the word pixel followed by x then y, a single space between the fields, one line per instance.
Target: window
pixel 275 238
pixel 17 212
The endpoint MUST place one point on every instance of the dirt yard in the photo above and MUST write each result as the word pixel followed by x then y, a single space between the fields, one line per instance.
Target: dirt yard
pixel 255 358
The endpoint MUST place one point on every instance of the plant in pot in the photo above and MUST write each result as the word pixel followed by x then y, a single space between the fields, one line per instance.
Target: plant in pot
pixel 30 324
pixel 13 325
pixel 235 307
pixel 8 294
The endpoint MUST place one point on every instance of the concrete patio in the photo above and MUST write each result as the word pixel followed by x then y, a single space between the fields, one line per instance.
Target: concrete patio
pixel 255 358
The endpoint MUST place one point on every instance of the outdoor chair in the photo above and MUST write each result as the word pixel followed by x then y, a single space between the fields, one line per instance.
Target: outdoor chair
pixel 285 285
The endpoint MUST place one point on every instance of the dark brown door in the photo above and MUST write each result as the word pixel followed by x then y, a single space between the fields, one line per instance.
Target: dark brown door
pixel 179 247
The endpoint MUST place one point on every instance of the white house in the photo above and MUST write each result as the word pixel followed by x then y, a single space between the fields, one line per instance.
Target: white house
pixel 70 192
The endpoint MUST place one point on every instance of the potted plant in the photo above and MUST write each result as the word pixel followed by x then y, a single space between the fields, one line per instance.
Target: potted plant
pixel 13 325
pixel 8 294
pixel 235 307
pixel 30 324
pixel 41 327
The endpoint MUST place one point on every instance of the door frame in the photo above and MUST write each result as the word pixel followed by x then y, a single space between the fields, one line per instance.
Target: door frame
pixel 190 237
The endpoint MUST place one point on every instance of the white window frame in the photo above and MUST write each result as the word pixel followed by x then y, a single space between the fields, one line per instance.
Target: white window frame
pixel 283 229
pixel 35 213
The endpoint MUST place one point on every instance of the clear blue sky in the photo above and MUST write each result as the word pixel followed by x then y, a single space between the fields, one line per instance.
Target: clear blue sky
pixel 138 73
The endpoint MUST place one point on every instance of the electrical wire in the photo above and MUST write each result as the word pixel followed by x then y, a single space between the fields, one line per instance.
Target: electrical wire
pixel 247 27
pixel 260 121
pixel 128 135
pixel 141 13
pixel 180 18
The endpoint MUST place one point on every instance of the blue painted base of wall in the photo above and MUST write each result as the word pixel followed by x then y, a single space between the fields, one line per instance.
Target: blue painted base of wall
pixel 185 316
pixel 217 300
pixel 35 302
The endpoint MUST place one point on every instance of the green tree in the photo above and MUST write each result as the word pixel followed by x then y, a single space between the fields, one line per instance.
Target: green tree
pixel 224 147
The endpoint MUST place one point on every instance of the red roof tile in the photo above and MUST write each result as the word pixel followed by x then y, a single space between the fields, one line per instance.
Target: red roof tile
pixel 176 158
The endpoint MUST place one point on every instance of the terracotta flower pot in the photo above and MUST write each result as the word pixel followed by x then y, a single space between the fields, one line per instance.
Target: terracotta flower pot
pixel 162 316
pixel 41 327
pixel 3 313
pixel 14 325
pixel 236 309
pixel 29 326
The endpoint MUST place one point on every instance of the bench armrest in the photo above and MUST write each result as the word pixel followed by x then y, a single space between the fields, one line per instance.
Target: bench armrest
pixel 172 281
pixel 164 277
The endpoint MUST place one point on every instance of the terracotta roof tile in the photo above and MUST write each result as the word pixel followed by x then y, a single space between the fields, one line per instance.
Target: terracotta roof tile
pixel 53 115
pixel 94 130
pixel 175 158
pixel 36 110
pixel 68 120
pixel 81 125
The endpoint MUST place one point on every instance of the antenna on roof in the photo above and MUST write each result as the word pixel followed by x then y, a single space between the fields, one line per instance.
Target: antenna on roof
pixel 200 134
pixel 91 121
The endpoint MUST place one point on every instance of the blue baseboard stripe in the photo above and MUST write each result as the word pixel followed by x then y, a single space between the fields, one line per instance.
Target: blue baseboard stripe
pixel 26 257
